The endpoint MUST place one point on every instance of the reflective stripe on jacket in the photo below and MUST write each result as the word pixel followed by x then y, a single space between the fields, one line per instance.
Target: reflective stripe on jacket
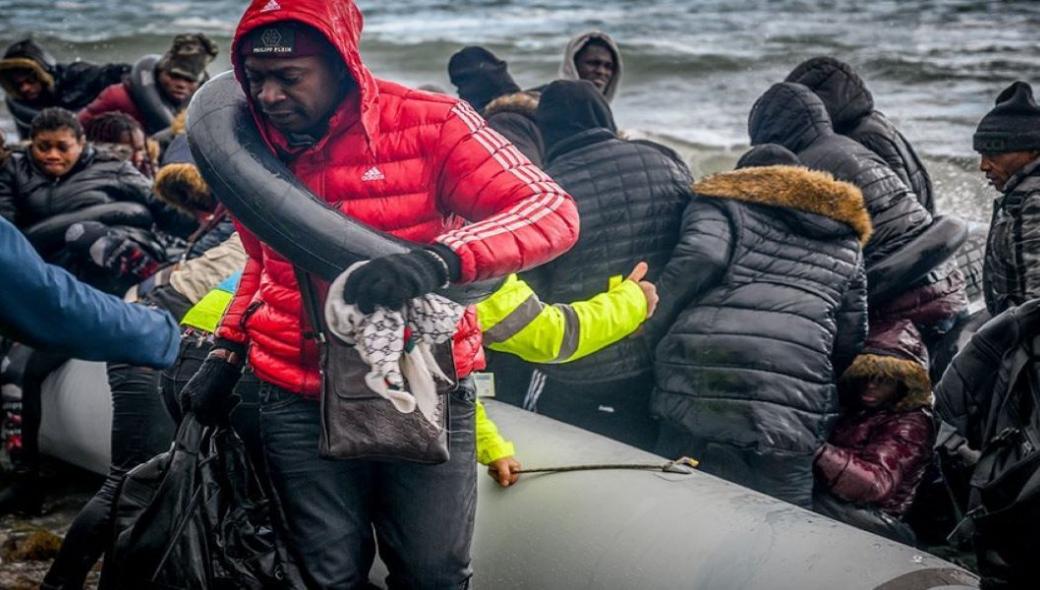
pixel 516 321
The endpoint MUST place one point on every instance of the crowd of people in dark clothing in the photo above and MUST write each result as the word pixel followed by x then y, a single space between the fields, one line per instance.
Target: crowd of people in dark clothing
pixel 802 325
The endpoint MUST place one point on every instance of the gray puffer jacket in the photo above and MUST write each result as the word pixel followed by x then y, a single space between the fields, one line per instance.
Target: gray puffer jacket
pixel 763 305
pixel 851 108
pixel 1011 274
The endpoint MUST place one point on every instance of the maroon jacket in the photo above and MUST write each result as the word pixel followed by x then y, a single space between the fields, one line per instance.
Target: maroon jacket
pixel 876 457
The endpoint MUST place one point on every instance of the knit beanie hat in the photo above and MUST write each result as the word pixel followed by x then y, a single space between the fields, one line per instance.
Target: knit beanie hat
pixel 768 154
pixel 189 56
pixel 568 107
pixel 1013 125
pixel 480 76
pixel 895 350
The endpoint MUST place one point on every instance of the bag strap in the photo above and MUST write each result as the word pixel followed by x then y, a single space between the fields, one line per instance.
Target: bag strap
pixel 311 303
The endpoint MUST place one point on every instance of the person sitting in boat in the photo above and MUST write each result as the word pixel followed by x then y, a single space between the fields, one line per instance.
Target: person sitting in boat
pixel 158 87
pixel 851 108
pixel 33 80
pixel 62 181
pixel 484 82
pixel 763 305
pixel 367 147
pixel 876 456
pixel 593 56
pixel 122 135
pixel 630 196
pixel 1008 141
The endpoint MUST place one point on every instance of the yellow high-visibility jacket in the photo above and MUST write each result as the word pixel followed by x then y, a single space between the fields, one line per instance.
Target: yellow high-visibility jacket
pixel 514 320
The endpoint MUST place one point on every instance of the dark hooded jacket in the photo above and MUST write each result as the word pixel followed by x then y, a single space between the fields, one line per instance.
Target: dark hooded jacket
pixel 630 197
pixel 851 108
pixel 1011 273
pixel 876 457
pixel 763 304
pixel 100 187
pixel 791 115
pixel 71 86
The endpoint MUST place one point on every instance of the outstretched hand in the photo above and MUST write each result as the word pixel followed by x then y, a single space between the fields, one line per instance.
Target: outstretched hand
pixel 649 289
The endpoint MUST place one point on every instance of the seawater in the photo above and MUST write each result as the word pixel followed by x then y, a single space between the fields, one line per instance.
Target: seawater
pixel 692 68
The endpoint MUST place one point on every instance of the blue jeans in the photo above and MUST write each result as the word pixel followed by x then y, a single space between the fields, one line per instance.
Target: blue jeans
pixel 422 514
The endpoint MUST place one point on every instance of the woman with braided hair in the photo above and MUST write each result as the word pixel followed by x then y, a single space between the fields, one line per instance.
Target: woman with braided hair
pixel 124 136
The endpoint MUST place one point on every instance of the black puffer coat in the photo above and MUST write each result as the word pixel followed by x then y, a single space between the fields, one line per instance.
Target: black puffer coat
pixel 851 108
pixel 1011 273
pixel 630 197
pixel 765 297
pixel 793 116
pixel 71 86
pixel 33 200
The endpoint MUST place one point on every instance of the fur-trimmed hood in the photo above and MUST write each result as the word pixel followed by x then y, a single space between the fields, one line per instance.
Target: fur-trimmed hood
pixel 895 350
pixel 28 55
pixel 182 186
pixel 524 103
pixel 793 187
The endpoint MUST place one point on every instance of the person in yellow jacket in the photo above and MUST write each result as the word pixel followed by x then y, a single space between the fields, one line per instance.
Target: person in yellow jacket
pixel 515 321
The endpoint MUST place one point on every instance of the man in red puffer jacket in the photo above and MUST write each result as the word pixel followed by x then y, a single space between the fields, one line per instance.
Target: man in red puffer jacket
pixel 418 166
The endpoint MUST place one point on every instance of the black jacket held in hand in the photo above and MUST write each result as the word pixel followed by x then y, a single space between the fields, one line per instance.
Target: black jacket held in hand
pixel 630 197
pixel 793 116
pixel 71 86
pixel 29 197
pixel 851 108
pixel 763 304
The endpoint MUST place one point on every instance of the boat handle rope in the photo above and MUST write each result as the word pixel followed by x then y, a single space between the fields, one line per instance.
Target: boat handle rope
pixel 682 465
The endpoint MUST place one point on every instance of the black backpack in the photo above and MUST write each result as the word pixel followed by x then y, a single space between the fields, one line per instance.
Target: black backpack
pixel 1004 506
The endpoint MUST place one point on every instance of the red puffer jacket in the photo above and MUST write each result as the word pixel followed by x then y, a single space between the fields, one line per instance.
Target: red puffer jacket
pixel 413 164
pixel 114 98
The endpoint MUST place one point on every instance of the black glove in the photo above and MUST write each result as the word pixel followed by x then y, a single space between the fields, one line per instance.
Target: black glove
pixel 208 392
pixel 393 280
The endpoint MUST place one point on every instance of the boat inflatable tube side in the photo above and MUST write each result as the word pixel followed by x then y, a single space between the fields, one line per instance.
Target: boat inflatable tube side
pixel 49 234
pixel 264 195
pixel 144 90
pixel 654 530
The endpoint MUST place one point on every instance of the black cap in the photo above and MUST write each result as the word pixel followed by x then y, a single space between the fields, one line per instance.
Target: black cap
pixel 1013 125
pixel 480 76
pixel 768 154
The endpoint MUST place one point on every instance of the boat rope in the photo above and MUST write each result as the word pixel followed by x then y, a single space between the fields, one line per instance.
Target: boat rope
pixel 683 465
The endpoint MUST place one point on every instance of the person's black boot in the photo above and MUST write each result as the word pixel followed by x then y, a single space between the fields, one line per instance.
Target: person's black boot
pixel 24 495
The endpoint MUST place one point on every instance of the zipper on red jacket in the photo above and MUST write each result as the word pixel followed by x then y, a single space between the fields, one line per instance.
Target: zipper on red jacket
pixel 250 310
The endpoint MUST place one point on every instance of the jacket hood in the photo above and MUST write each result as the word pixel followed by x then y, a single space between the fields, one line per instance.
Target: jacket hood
pixel 788 114
pixel 341 23
pixel 840 88
pixel 569 70
pixel 28 55
pixel 896 350
pixel 567 108
pixel 523 103
pixel 791 187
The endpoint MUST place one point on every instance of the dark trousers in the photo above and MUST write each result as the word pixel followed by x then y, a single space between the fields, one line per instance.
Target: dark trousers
pixel 616 409
pixel 784 475
pixel 422 514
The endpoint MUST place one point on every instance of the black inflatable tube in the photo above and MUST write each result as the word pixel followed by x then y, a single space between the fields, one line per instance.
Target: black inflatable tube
pixel 49 234
pixel 144 89
pixel 263 194
pixel 904 268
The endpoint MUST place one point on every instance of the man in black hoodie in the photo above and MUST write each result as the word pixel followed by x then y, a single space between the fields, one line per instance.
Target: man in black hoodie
pixel 630 196
pixel 33 80
pixel 484 82
pixel 851 107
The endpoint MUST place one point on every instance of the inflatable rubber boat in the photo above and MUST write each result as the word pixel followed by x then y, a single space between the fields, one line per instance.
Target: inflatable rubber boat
pixel 598 529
